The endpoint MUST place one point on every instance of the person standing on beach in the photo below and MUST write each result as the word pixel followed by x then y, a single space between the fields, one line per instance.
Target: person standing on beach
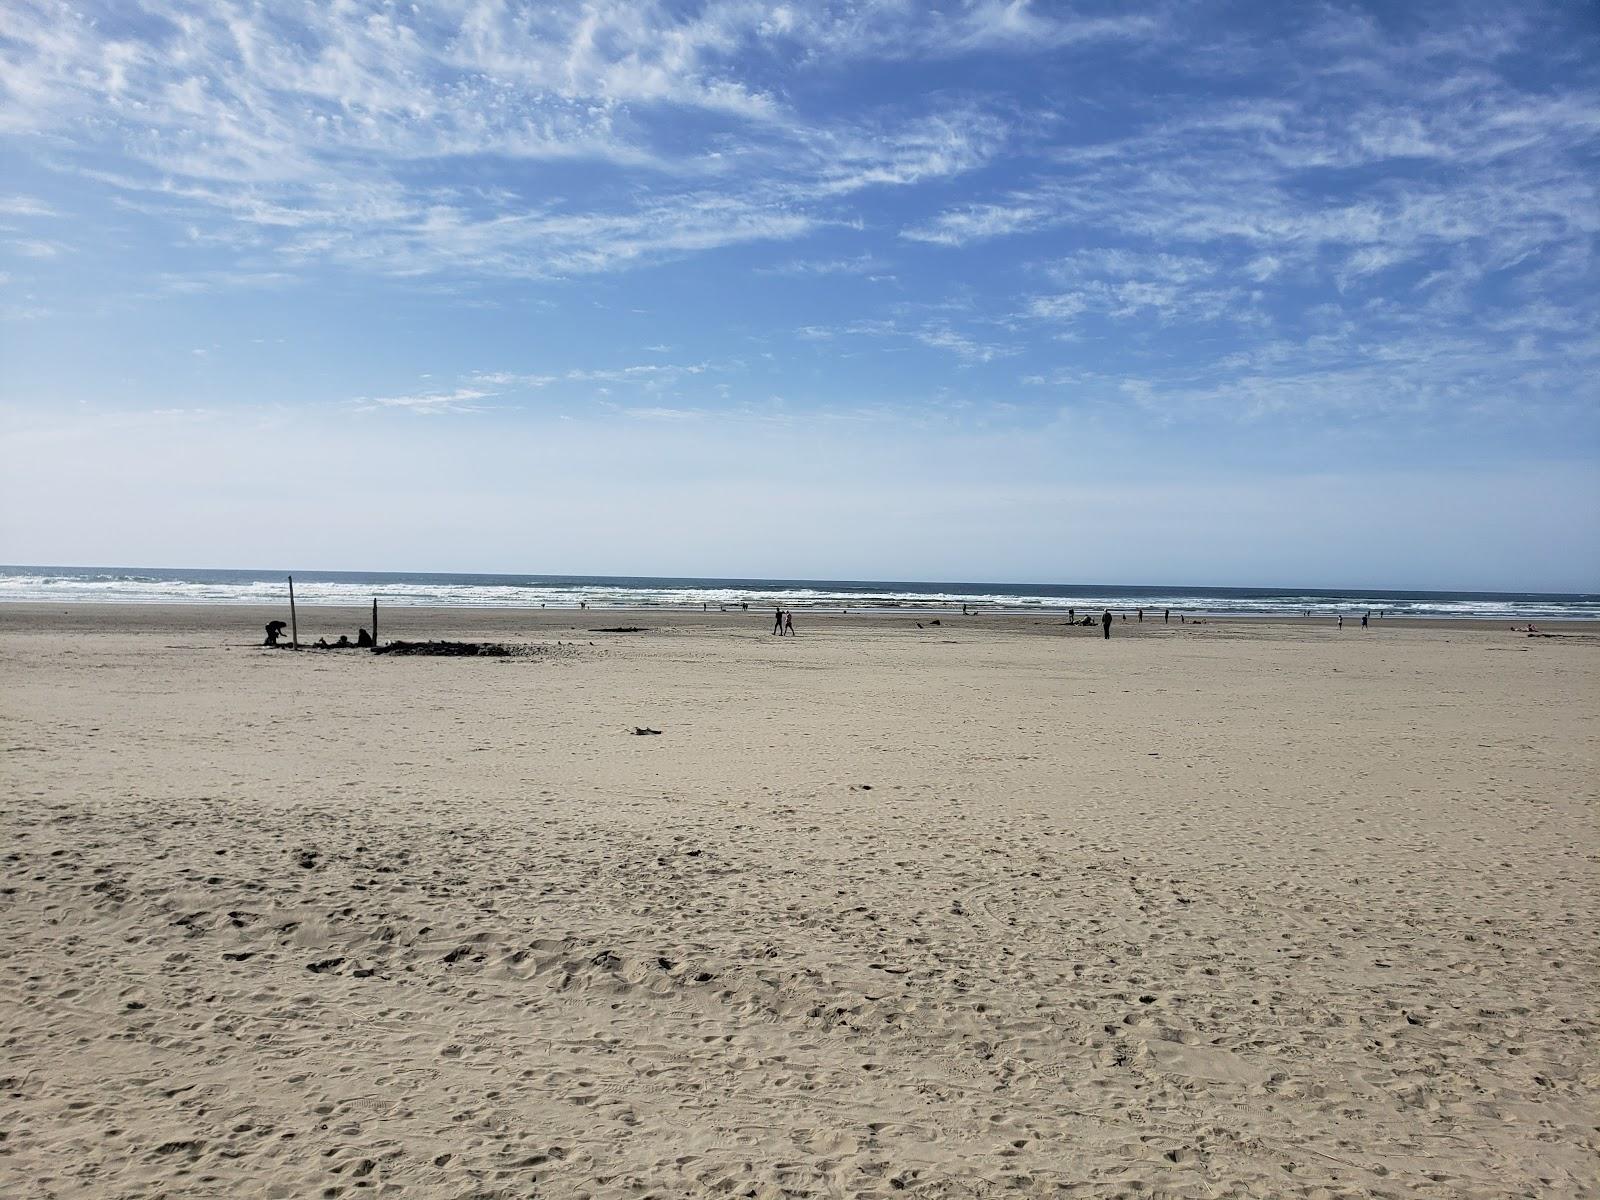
pixel 1105 624
pixel 788 622
pixel 1166 615
pixel 1341 620
pixel 1364 617
pixel 777 621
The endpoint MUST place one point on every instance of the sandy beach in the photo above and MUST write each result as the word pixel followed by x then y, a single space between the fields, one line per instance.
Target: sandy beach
pixel 988 908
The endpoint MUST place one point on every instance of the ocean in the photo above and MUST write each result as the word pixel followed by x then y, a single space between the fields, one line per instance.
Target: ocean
pixel 152 585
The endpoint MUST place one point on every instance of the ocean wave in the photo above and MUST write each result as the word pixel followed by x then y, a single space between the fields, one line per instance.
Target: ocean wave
pixel 230 587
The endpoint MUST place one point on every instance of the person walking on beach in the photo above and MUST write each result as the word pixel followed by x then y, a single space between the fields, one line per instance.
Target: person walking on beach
pixel 1166 615
pixel 1364 617
pixel 777 621
pixel 1341 620
pixel 788 623
pixel 1105 624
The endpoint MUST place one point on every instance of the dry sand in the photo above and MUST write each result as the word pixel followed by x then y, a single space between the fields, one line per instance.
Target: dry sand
pixel 993 908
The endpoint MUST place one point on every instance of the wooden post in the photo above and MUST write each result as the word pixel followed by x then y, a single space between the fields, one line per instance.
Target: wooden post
pixel 374 624
pixel 294 625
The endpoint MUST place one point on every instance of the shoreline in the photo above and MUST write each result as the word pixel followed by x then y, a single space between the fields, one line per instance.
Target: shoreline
pixel 27 611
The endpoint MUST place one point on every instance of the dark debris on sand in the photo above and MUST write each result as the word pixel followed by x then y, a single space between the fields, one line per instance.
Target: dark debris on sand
pixel 471 650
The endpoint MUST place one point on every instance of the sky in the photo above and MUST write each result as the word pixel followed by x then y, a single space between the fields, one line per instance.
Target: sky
pixel 1221 294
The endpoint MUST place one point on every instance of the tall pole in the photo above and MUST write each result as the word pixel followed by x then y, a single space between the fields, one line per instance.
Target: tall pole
pixel 374 624
pixel 294 625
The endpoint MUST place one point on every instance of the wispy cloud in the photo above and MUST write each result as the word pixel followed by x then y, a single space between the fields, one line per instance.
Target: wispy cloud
pixel 944 338
pixel 941 30
pixel 1405 218
pixel 322 132
pixel 657 413
pixel 1126 285
pixel 868 265
pixel 980 222
pixel 24 206
pixel 1127 191
pixel 456 400
pixel 35 247
pixel 469 393
pixel 928 148
pixel 932 332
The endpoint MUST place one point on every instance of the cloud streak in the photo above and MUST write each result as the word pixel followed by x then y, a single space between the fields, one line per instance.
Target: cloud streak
pixel 337 131
pixel 1148 208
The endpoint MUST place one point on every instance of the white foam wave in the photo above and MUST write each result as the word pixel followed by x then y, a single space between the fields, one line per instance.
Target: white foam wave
pixel 137 588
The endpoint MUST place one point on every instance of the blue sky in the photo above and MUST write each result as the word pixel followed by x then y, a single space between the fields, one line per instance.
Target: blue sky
pixel 1217 294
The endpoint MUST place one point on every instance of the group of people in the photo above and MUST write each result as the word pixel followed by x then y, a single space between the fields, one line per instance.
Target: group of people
pixel 782 623
pixel 363 641
pixel 363 638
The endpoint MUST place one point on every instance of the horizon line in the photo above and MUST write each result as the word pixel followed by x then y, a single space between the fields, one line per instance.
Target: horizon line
pixel 759 579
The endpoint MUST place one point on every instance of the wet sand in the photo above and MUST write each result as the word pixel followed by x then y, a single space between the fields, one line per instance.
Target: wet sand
pixel 988 908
